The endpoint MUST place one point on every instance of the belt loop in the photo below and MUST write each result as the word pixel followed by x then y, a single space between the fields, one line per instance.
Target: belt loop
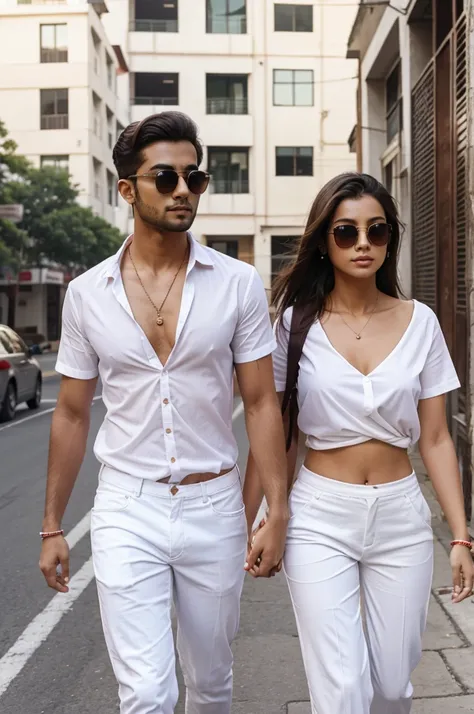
pixel 138 491
pixel 205 496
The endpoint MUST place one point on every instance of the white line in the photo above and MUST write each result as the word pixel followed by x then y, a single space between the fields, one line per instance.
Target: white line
pixel 18 422
pixel 43 624
pixel 40 628
pixel 48 401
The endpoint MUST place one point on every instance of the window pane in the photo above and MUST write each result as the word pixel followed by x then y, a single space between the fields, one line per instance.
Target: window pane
pixel 217 16
pixel 303 95
pixel 284 15
pixel 47 37
pixel 304 76
pixel 304 161
pixel 47 101
pixel 282 75
pixel 285 164
pixel 237 17
pixel 303 18
pixel 62 101
pixel 283 95
pixel 61 37
pixel 393 88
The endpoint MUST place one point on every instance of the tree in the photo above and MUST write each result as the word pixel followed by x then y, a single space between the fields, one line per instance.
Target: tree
pixel 55 228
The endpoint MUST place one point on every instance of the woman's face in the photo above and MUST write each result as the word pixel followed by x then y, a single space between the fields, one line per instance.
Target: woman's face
pixel 358 237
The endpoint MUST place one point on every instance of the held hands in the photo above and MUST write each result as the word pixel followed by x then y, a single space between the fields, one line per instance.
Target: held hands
pixel 54 563
pixel 463 572
pixel 266 546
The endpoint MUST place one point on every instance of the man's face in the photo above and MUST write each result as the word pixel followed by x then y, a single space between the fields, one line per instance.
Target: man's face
pixel 166 212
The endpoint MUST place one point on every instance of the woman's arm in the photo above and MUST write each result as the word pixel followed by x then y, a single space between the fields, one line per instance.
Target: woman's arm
pixel 439 456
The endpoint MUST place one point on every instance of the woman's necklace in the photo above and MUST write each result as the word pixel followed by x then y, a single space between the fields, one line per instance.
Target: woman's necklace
pixel 159 316
pixel 358 335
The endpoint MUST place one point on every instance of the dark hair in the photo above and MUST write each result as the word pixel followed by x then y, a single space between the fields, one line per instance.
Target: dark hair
pixel 165 126
pixel 308 280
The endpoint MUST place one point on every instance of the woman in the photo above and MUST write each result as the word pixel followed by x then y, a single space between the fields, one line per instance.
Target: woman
pixel 372 381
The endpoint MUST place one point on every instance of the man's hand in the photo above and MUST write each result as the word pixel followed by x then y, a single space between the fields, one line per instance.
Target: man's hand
pixel 54 553
pixel 266 548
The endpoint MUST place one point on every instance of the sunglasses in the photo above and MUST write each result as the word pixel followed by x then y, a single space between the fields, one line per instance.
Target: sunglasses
pixel 166 180
pixel 347 235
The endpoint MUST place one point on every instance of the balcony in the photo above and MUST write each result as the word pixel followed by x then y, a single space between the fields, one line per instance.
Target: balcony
pixel 153 26
pixel 220 105
pixel 53 54
pixel 55 121
pixel 229 187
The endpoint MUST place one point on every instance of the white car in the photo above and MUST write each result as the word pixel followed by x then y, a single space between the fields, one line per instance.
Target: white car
pixel 20 375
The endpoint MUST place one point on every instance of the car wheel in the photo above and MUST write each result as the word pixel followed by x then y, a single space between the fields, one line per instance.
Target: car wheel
pixel 7 412
pixel 36 401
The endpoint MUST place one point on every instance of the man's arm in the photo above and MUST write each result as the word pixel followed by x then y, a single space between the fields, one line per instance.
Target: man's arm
pixel 69 430
pixel 267 445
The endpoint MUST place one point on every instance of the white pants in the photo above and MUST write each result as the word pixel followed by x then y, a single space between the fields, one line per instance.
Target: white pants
pixel 149 545
pixel 344 541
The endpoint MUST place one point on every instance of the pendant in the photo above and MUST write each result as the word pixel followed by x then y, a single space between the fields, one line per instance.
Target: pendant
pixel 159 320
pixel 357 337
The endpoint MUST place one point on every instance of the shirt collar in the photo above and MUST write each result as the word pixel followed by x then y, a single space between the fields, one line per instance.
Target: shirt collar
pixel 197 254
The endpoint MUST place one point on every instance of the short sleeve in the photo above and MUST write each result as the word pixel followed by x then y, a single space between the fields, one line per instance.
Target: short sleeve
pixel 253 337
pixel 280 356
pixel 438 375
pixel 76 358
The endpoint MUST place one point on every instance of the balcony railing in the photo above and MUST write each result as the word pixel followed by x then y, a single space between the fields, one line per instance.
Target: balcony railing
pixel 222 186
pixel 217 105
pixel 53 54
pixel 154 26
pixel 55 121
pixel 161 101
pixel 226 25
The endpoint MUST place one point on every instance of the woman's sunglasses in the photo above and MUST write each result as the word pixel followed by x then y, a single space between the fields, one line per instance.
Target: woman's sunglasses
pixel 166 180
pixel 347 235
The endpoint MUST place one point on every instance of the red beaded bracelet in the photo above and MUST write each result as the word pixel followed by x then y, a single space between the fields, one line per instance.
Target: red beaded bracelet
pixel 50 534
pixel 465 543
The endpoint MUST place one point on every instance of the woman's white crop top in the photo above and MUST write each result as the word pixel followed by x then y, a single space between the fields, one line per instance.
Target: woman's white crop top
pixel 339 406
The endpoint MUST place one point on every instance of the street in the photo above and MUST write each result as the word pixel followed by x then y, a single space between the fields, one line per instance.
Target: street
pixel 52 655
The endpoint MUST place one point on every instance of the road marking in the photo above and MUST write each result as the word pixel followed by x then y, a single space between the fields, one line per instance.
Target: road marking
pixel 39 629
pixel 48 401
pixel 18 422
pixel 50 373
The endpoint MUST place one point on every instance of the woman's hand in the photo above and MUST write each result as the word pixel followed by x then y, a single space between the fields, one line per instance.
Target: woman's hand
pixel 463 572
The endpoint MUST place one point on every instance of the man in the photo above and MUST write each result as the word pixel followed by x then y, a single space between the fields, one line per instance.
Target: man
pixel 163 323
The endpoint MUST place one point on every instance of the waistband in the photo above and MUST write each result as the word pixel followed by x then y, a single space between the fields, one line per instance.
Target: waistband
pixel 137 486
pixel 354 490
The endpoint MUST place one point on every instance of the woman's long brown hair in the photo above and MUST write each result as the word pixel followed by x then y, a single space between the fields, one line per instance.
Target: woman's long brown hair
pixel 309 280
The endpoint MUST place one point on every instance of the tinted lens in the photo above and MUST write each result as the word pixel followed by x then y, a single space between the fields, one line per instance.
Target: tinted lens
pixel 166 181
pixel 345 236
pixel 379 234
pixel 198 181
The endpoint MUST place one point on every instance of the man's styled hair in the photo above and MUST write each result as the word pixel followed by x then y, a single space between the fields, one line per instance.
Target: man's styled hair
pixel 165 126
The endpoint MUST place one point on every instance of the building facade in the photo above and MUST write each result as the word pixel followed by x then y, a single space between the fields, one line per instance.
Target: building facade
pixel 414 130
pixel 271 90
pixel 60 79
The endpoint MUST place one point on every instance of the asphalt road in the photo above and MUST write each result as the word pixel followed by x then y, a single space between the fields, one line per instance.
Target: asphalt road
pixel 69 672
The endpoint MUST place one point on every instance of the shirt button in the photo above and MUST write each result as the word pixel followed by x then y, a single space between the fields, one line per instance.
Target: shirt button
pixel 173 460
pixel 168 431
pixel 166 401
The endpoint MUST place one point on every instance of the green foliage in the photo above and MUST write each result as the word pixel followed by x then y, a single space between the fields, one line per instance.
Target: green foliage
pixel 55 228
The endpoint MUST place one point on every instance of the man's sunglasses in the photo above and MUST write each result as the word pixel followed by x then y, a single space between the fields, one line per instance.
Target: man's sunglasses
pixel 166 180
pixel 347 235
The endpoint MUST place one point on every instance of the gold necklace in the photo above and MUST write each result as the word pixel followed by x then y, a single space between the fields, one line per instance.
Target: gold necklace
pixel 159 317
pixel 359 334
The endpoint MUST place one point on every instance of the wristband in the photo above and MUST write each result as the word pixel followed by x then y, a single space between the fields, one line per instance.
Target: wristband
pixel 50 534
pixel 465 543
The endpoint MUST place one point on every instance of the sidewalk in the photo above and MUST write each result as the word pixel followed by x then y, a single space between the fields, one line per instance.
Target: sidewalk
pixel 269 676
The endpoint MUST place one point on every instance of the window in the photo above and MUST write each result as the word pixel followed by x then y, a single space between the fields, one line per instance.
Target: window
pixel 56 162
pixel 226 94
pixel 98 178
pixel 228 247
pixel 226 17
pixel 229 169
pixel 53 43
pixel 293 18
pixel 110 71
pixel 293 87
pixel 283 248
pixel 156 88
pixel 393 99
pixel 388 177
pixel 97 115
pixel 156 16
pixel 111 189
pixel 292 161
pixel 54 108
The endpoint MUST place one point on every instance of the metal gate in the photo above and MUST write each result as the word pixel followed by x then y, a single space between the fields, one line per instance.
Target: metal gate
pixel 439 207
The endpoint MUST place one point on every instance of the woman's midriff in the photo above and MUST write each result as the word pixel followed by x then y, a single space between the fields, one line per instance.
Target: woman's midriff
pixel 372 463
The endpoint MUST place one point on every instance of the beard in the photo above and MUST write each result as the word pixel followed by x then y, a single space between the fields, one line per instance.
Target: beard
pixel 164 222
